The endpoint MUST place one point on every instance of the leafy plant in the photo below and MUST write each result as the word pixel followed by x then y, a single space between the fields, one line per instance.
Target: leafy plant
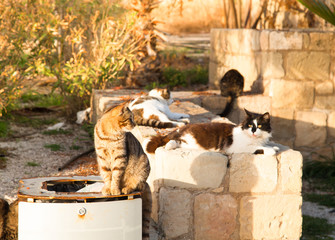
pixel 321 199
pixel 314 228
pixel 32 164
pixel 53 147
pixel 4 129
pixel 321 8
pixel 323 169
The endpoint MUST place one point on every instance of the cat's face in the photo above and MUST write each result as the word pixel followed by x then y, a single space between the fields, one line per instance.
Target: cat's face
pixel 120 118
pixel 257 125
pixel 163 93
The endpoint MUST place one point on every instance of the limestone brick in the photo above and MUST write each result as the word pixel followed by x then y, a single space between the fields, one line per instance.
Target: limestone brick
pixel 248 41
pixel 310 129
pixel 331 124
pixel 190 168
pixel 292 94
pixel 282 40
pixel 264 39
pixel 308 65
pixel 271 217
pixel 324 88
pixel 252 173
pixel 290 171
pixel 271 65
pixel 216 72
pixel 320 40
pixel 255 103
pixel 175 212
pixel 282 123
pixel 325 102
pixel 246 65
pixel 215 104
pixel 214 216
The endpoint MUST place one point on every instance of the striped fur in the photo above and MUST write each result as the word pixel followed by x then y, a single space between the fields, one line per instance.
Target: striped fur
pixel 153 110
pixel 8 220
pixel 122 162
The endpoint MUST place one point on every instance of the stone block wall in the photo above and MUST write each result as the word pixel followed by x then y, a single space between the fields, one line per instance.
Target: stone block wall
pixel 295 69
pixel 196 196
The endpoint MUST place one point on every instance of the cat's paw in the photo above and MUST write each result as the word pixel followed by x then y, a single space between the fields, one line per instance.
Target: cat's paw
pixel 106 190
pixel 180 124
pixel 172 144
pixel 127 190
pixel 184 120
pixel 115 191
pixel 269 151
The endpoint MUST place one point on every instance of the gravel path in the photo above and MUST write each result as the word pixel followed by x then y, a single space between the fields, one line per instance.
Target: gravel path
pixel 28 157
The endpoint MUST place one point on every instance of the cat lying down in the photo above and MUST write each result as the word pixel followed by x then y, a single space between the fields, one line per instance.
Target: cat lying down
pixel 251 136
pixel 153 110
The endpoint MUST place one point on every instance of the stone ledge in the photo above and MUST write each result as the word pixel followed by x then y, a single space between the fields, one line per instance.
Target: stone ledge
pixel 190 168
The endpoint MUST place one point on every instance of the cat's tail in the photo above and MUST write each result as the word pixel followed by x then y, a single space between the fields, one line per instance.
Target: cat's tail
pixel 229 106
pixel 155 142
pixel 153 123
pixel 146 211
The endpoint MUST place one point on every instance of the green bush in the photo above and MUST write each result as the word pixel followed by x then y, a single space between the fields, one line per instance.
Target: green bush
pixel 83 44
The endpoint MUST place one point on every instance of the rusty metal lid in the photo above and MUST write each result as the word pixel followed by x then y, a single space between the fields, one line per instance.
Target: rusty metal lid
pixel 64 188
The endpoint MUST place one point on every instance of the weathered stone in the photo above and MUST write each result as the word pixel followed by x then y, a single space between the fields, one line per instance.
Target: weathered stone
pixel 255 103
pixel 264 39
pixel 190 168
pixel 281 40
pixel 293 94
pixel 320 40
pixel 271 65
pixel 248 41
pixel 325 102
pixel 252 173
pixel 216 72
pixel 214 216
pixel 308 65
pixel 215 104
pixel 331 124
pixel 290 171
pixel 246 65
pixel 175 212
pixel 310 129
pixel 282 123
pixel 324 88
pixel 271 217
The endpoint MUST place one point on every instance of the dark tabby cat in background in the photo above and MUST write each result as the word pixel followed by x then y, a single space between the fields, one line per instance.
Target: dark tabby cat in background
pixel 122 162
pixel 251 136
pixel 231 86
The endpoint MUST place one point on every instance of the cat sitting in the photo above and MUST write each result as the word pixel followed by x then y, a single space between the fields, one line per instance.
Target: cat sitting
pixel 251 136
pixel 123 165
pixel 153 110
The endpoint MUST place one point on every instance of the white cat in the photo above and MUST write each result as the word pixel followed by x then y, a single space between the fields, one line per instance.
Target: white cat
pixel 153 110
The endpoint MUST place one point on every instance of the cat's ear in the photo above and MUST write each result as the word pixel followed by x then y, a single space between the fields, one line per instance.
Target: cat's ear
pixel 248 113
pixel 124 107
pixel 266 116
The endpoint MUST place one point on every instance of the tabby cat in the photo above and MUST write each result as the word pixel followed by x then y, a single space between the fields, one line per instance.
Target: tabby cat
pixel 250 136
pixel 8 220
pixel 231 86
pixel 122 162
pixel 153 110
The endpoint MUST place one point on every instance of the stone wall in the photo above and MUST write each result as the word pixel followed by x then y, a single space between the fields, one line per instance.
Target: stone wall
pixel 294 70
pixel 204 195
pixel 196 196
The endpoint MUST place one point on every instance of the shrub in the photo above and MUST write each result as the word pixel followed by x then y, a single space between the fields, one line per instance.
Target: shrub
pixel 83 44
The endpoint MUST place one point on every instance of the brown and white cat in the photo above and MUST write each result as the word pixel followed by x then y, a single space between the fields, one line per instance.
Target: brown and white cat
pixel 251 136
pixel 122 162
pixel 153 110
